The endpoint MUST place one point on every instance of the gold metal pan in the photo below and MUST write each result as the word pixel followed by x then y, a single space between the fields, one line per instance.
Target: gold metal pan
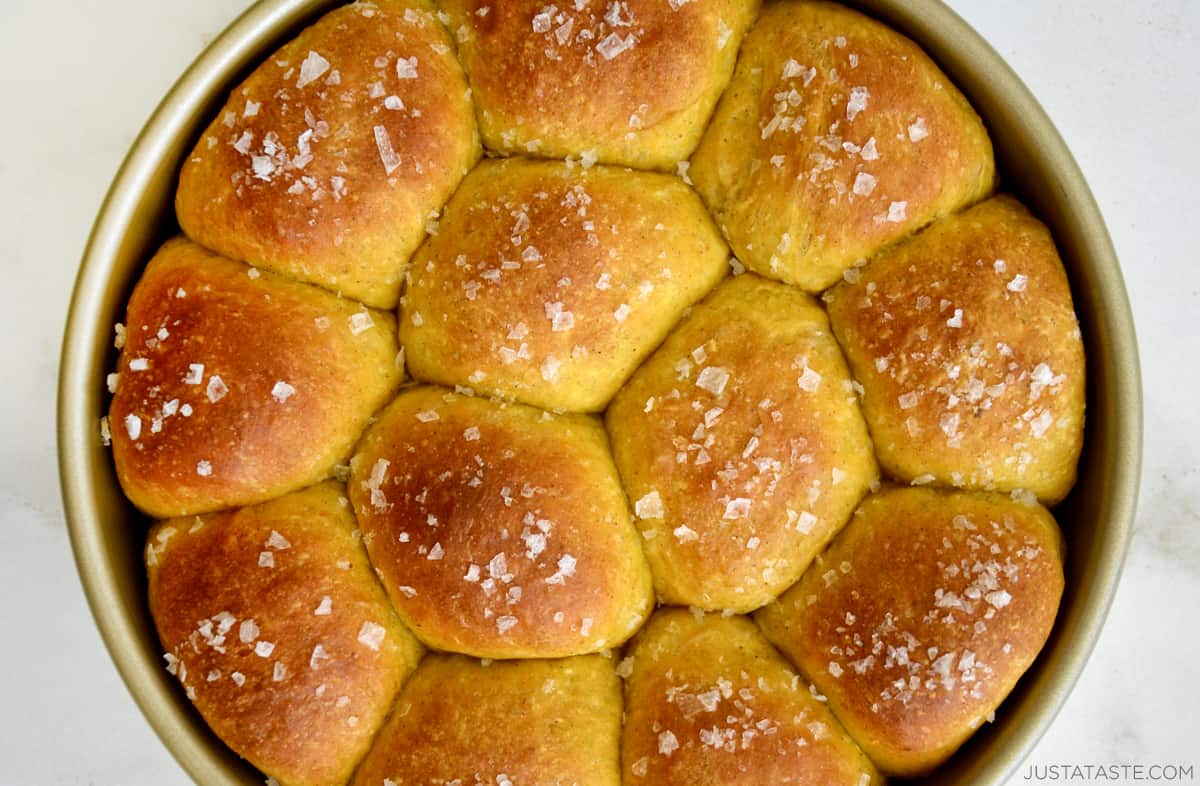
pixel 1097 519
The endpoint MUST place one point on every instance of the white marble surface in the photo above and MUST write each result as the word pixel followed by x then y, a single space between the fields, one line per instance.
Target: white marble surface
pixel 1122 81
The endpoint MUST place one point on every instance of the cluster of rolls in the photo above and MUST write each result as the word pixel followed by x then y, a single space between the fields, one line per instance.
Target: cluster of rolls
pixel 728 323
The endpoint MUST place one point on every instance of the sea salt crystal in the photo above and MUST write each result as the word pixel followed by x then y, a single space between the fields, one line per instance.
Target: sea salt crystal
pixel 204 468
pixel 713 379
pixel 216 389
pixel 613 45
pixel 649 507
pixel 917 130
pixel 685 534
pixel 737 508
pixel 313 67
pixel 549 369
pixel 1018 283
pixel 897 212
pixel 667 743
pixel 371 635
pixel 360 322
pixel 857 102
pixel 406 68
pixel 809 381
pixel 869 151
pixel 282 391
pixel 864 184
pixel 248 631
pixel 133 426
pixel 387 154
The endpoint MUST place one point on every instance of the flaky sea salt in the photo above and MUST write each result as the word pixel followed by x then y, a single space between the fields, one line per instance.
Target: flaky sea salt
pixel 649 506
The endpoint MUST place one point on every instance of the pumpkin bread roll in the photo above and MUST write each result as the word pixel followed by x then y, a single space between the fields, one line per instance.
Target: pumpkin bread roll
pixel 967 346
pixel 548 283
pixel 499 530
pixel 709 702
pixel 280 634
pixel 836 137
pixel 537 722
pixel 235 386
pixel 741 444
pixel 328 161
pixel 922 616
pixel 626 83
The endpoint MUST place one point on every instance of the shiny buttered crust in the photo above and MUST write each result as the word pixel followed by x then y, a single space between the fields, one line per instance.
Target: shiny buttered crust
pixel 280 634
pixel 708 702
pixel 328 161
pixel 966 343
pixel 234 386
pixel 630 83
pixel 836 137
pixel 499 530
pixel 741 444
pixel 549 283
pixel 537 722
pixel 922 615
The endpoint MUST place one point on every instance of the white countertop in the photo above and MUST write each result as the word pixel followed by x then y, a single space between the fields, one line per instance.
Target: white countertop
pixel 77 80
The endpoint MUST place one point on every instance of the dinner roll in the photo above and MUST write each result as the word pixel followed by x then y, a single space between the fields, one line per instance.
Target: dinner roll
pixel 499 530
pixel 543 722
pixel 327 162
pixel 741 443
pixel 549 283
pixel 279 633
pixel 921 617
pixel 836 137
pixel 235 386
pixel 709 702
pixel 969 353
pixel 627 83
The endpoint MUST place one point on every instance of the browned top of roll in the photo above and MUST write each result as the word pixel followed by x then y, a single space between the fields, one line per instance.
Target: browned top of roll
pixel 968 349
pixel 742 446
pixel 237 386
pixel 327 162
pixel 499 530
pixel 709 702
pixel 549 283
pixel 280 634
pixel 544 722
pixel 837 136
pixel 922 615
pixel 630 83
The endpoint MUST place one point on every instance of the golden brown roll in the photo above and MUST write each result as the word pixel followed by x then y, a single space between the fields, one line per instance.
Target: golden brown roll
pixel 966 344
pixel 836 137
pixel 329 160
pixel 627 83
pixel 709 702
pixel 549 284
pixel 279 633
pixel 920 618
pixel 236 386
pixel 499 530
pixel 538 722
pixel 741 444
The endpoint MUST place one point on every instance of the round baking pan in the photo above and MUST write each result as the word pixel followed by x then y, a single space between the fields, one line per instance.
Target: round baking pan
pixel 1097 518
